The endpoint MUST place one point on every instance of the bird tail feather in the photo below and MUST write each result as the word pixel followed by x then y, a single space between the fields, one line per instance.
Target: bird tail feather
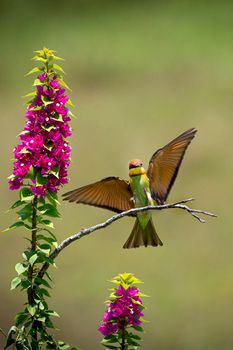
pixel 143 236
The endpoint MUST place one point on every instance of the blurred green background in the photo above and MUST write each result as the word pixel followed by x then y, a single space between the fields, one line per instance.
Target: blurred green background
pixel 141 72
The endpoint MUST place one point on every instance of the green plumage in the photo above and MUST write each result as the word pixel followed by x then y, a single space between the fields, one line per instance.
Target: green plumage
pixel 143 232
pixel 141 191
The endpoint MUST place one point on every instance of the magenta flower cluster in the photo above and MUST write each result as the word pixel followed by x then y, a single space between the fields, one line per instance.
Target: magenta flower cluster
pixel 44 149
pixel 123 311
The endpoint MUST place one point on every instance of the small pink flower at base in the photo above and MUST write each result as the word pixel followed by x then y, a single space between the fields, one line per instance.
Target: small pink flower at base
pixel 125 307
pixel 39 191
pixel 43 146
pixel 15 184
pixel 108 328
pixel 42 76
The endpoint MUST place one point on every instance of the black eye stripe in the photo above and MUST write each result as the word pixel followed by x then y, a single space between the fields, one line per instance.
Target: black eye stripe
pixel 132 166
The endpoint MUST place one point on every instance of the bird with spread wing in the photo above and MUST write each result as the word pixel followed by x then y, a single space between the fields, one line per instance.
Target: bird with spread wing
pixel 143 188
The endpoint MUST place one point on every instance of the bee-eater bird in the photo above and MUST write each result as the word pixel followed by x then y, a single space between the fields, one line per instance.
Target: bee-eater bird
pixel 143 188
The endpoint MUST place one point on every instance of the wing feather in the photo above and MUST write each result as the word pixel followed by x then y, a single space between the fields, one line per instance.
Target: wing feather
pixel 165 163
pixel 110 193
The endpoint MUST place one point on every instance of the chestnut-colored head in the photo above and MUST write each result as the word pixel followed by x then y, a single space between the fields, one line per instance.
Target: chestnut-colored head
pixel 136 168
pixel 135 163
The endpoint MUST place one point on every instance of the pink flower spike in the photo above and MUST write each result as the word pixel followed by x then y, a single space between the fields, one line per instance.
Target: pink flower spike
pixel 125 307
pixel 43 144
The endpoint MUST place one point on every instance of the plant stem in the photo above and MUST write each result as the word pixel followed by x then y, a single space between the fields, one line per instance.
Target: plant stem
pixel 123 334
pixel 33 248
pixel 30 291
pixel 34 222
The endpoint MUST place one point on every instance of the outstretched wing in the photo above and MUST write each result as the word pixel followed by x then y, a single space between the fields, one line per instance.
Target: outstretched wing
pixel 110 193
pixel 165 163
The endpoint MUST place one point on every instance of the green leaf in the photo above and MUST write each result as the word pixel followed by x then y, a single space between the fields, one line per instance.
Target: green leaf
pixel 24 132
pixel 24 151
pixel 33 259
pixel 110 336
pixel 45 248
pixel 39 281
pixel 49 260
pixel 143 320
pixel 69 102
pixel 53 237
pixel 50 240
pixel 20 268
pixel 27 254
pixel 31 173
pixel 20 317
pixel 125 279
pixel 25 284
pixel 138 328
pixel 110 339
pixel 22 344
pixel 46 101
pixel 41 200
pixel 133 342
pixel 34 70
pixel 49 324
pixel 37 82
pixel 25 212
pixel 41 306
pixel 32 309
pixel 37 298
pixel 30 94
pixel 42 292
pixel 49 210
pixel 57 117
pixel 10 340
pixel 57 67
pixel 47 274
pixel 56 58
pixel 139 294
pixel 40 179
pixel 37 58
pixel 135 336
pixel 37 108
pixel 137 302
pixel 15 225
pixel 109 346
pixel 55 171
pixel 47 223
pixel 15 282
pixel 70 114
pixel 52 313
pixel 48 127
pixel 11 177
pixel 26 194
pixel 62 83
pixel 52 197
pixel 41 319
pixel 62 345
pixel 48 145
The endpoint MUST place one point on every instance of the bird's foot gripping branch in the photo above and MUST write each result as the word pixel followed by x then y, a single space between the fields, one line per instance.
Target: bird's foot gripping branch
pixel 40 167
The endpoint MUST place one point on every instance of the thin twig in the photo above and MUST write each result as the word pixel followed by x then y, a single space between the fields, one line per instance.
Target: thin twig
pixel 87 231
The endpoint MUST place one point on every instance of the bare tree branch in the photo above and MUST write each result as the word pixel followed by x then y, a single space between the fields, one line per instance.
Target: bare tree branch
pixel 87 231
